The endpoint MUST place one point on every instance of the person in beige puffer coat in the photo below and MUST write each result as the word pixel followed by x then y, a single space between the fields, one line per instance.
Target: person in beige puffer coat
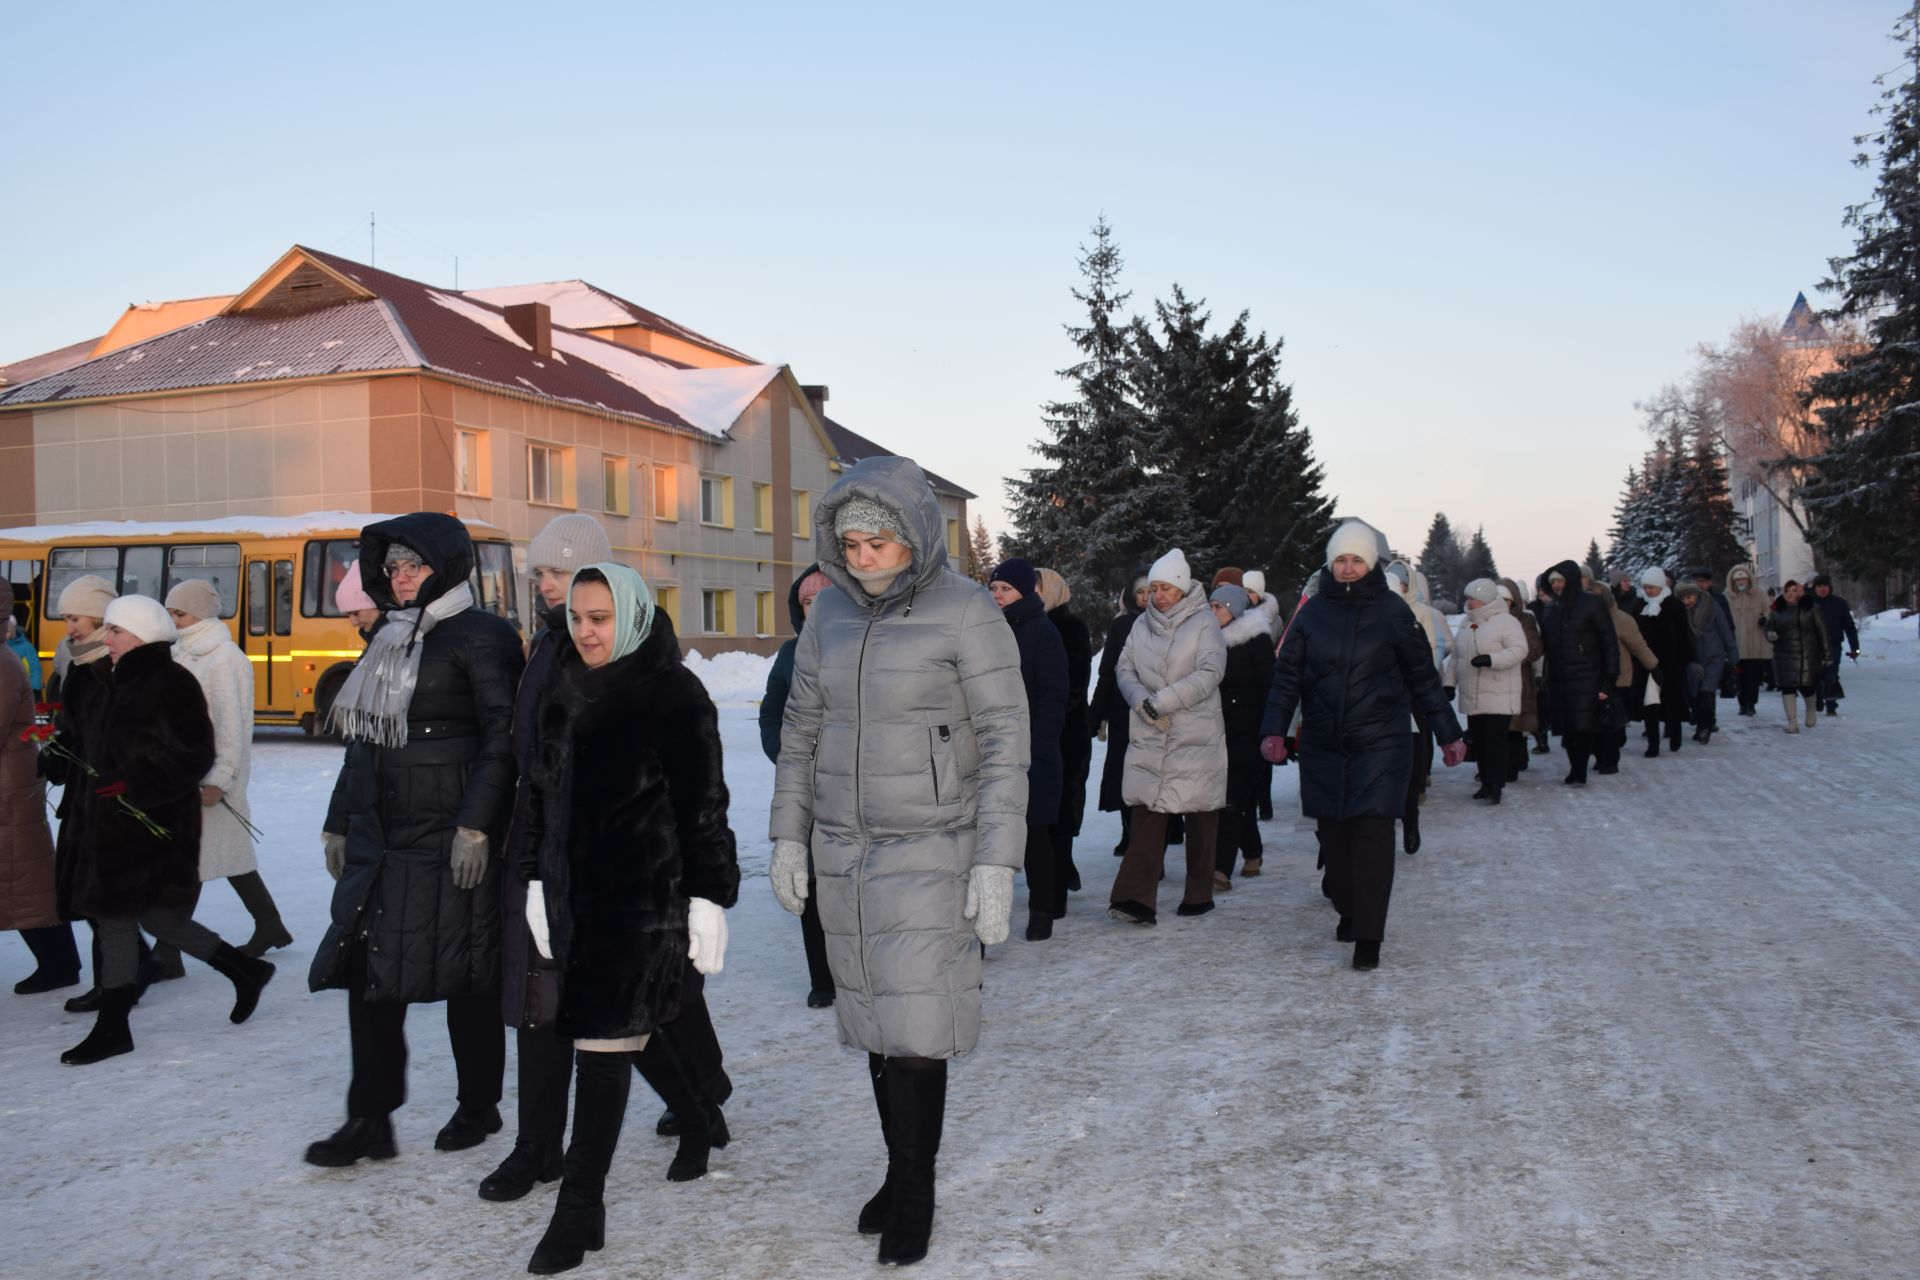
pixel 1489 649
pixel 1754 652
pixel 1528 719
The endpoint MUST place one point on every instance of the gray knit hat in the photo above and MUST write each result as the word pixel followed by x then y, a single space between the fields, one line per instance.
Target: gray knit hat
pixel 864 515
pixel 195 596
pixel 1235 598
pixel 569 542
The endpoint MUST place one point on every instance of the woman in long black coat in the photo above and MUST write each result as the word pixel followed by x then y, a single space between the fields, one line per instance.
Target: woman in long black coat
pixel 1583 660
pixel 1356 663
pixel 414 829
pixel 1663 625
pixel 1043 670
pixel 1076 737
pixel 1110 710
pixel 1243 701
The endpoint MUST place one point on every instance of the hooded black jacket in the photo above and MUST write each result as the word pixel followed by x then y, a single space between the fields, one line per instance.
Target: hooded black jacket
pixel 1076 741
pixel 1583 654
pixel 1107 704
pixel 773 704
pixel 1043 669
pixel 399 807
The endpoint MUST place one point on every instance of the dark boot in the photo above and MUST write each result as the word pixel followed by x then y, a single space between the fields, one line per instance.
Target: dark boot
pixel 873 1214
pixel 526 1164
pixel 110 1036
pixel 579 1221
pixel 698 1123
pixel 917 1096
pixel 1039 926
pixel 1366 954
pixel 248 976
pixel 1343 932
pixel 56 961
pixel 268 932
pixel 164 963
pixel 468 1127
pixel 360 1138
pixel 1410 831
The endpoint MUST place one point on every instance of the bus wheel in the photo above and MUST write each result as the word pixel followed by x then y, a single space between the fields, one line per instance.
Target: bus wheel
pixel 306 724
pixel 323 696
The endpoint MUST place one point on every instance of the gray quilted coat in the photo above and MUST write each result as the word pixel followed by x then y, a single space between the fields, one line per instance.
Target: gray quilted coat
pixel 903 758
pixel 1177 660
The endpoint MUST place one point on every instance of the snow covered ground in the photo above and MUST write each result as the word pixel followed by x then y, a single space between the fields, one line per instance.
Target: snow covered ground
pixel 1661 1027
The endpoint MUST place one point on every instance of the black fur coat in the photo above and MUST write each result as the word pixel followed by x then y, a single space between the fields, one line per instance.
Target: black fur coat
pixel 625 812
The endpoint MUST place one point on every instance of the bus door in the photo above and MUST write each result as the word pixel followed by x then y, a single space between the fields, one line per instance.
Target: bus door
pixel 268 635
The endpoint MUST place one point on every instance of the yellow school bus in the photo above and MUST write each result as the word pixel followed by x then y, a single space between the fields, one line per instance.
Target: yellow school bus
pixel 275 575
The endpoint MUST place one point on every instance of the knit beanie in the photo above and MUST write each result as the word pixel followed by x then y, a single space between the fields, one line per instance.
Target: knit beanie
pixel 1506 594
pixel 1053 589
pixel 1485 590
pixel 812 585
pixel 1234 597
pixel 1653 576
pixel 86 597
pixel 1228 574
pixel 570 543
pixel 1171 569
pixel 195 597
pixel 864 515
pixel 1354 538
pixel 143 617
pixel 1016 573
pixel 350 596
pixel 1255 582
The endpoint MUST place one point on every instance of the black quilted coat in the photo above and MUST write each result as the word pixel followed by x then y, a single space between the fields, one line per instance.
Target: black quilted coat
pixel 398 807
pixel 1356 663
pixel 1043 669
pixel 1076 740
pixel 1800 643
pixel 625 814
pixel 1107 704
pixel 1583 654
pixel 154 743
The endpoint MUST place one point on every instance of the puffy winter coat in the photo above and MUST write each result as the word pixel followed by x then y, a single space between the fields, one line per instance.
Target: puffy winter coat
pixel 1175 659
pixel 625 812
pixel 155 745
pixel 1355 663
pixel 773 704
pixel 1043 670
pixel 226 678
pixel 1837 617
pixel 1497 690
pixel 1713 642
pixel 1243 693
pixel 26 844
pixel 1583 654
pixel 1527 719
pixel 1799 638
pixel 1749 610
pixel 1108 707
pixel 1076 741
pixel 82 695
pixel 904 759
pixel 399 807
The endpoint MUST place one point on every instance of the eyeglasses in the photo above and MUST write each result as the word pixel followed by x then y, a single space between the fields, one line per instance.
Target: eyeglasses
pixel 403 564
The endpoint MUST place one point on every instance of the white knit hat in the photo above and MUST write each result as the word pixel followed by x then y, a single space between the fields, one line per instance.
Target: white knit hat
pixel 143 617
pixel 196 597
pixel 86 597
pixel 1354 538
pixel 569 542
pixel 1653 576
pixel 1171 569
pixel 1485 590
pixel 1254 581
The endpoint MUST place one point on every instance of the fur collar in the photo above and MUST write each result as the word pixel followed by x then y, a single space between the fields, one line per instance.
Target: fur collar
pixel 1249 626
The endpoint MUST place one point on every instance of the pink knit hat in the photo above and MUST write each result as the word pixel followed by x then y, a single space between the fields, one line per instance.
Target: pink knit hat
pixel 349 596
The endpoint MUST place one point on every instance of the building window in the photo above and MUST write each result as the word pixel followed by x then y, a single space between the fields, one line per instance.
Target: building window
pixel 666 495
pixel 763 508
pixel 616 496
pixel 667 601
pixel 471 463
pixel 218 564
pixel 953 538
pixel 550 475
pixel 716 501
pixel 716 612
pixel 763 613
pixel 803 514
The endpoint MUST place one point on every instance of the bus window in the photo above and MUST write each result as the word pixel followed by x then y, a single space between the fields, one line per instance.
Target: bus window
pixel 322 567
pixel 218 564
pixel 493 579
pixel 257 598
pixel 67 563
pixel 283 597
pixel 140 572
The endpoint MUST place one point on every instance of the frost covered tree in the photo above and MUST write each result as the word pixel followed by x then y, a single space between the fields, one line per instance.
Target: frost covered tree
pixel 980 559
pixel 1476 561
pixel 1864 491
pixel 1707 518
pixel 1441 558
pixel 1596 563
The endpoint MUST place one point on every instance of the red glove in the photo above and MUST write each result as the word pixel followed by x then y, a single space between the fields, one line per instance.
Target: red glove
pixel 1273 749
pixel 1454 753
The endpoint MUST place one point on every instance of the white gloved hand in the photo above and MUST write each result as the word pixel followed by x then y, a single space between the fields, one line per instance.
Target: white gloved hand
pixel 537 919
pixel 789 874
pixel 989 902
pixel 334 848
pixel 707 934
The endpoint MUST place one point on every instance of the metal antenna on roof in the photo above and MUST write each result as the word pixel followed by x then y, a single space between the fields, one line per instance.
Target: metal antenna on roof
pixel 456 273
pixel 370 240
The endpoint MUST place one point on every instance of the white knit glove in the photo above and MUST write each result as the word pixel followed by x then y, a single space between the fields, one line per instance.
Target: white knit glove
pixel 789 874
pixel 989 902
pixel 469 858
pixel 707 932
pixel 537 918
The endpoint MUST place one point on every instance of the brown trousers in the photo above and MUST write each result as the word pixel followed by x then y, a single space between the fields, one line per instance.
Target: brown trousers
pixel 1139 877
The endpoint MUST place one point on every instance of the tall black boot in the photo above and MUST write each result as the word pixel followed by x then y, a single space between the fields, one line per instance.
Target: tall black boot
pixel 268 931
pixel 579 1221
pixel 873 1214
pixel 56 960
pixel 701 1125
pixel 249 977
pixel 110 1036
pixel 917 1097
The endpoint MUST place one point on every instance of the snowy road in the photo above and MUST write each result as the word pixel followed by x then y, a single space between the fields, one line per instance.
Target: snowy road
pixel 1662 1027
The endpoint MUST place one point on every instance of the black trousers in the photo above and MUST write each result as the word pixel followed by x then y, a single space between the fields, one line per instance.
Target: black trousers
pixel 1489 737
pixel 1580 748
pixel 1359 854
pixel 1516 754
pixel 1753 673
pixel 1669 714
pixel 377 1029
pixel 1240 821
pixel 813 939
pixel 1046 879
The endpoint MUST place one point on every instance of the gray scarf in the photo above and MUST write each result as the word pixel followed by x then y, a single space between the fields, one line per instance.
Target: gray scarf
pixel 92 649
pixel 372 705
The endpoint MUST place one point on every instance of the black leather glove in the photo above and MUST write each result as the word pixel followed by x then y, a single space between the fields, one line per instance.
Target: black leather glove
pixel 1655 676
pixel 1481 660
pixel 1449 689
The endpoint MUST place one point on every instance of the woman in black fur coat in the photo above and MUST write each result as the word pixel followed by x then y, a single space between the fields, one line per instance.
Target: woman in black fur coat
pixel 629 863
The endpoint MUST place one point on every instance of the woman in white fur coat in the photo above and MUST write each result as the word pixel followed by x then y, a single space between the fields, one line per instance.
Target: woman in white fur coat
pixel 1484 666
pixel 206 648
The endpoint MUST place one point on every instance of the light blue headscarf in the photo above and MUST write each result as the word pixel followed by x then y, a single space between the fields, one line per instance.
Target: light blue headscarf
pixel 632 605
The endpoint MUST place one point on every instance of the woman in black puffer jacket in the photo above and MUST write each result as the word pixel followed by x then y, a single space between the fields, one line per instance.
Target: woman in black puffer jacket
pixel 1043 670
pixel 414 830
pixel 1583 661
pixel 1799 637
pixel 1109 710
pixel 1356 663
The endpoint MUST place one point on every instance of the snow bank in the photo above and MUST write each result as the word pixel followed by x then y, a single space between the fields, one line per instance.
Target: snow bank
pixel 1888 637
pixel 731 677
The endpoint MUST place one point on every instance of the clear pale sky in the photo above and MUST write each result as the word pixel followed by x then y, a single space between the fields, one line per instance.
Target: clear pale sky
pixel 1484 230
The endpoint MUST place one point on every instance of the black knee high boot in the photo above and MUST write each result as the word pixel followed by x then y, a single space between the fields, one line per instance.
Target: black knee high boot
pixel 701 1125
pixel 873 1214
pixel 579 1224
pixel 268 931
pixel 917 1099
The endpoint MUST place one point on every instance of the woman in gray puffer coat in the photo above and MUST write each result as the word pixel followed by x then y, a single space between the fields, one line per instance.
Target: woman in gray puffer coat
pixel 1170 675
pixel 903 757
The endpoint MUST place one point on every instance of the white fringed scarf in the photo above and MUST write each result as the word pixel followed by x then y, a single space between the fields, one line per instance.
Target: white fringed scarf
pixel 372 705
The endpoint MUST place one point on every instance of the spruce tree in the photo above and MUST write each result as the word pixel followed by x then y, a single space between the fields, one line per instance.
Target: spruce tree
pixel 1477 562
pixel 980 559
pixel 1596 565
pixel 1706 513
pixel 1864 494
pixel 1441 559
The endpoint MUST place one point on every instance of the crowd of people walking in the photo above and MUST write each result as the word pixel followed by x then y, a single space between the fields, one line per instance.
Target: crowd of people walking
pixel 537 836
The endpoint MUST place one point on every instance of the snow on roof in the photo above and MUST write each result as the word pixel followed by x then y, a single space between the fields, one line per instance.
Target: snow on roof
pixel 710 399
pixel 574 303
pixel 492 321
pixel 301 526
